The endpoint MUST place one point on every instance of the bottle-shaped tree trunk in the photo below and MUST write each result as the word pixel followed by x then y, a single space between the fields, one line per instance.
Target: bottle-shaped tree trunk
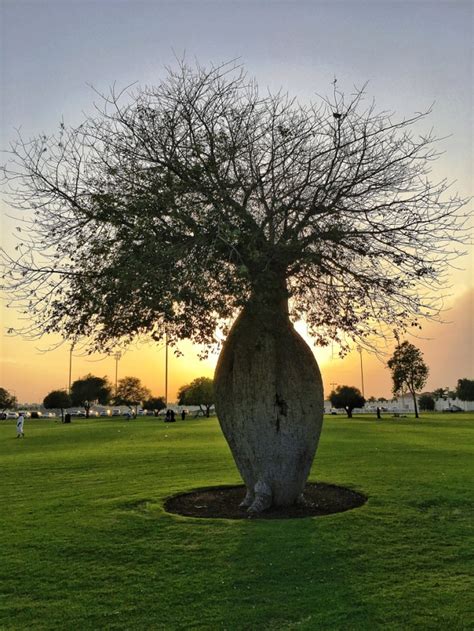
pixel 269 401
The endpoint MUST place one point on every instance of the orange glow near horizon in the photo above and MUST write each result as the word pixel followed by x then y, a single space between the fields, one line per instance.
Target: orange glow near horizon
pixel 31 374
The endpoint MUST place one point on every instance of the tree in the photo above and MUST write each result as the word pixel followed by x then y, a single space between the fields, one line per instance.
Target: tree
pixel 88 389
pixel 347 397
pixel 155 403
pixel 426 402
pixel 439 393
pixel 465 389
pixel 57 400
pixel 131 392
pixel 198 392
pixel 408 370
pixel 175 207
pixel 7 400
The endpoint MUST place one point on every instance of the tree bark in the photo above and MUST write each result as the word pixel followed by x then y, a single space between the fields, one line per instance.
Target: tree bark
pixel 413 393
pixel 269 402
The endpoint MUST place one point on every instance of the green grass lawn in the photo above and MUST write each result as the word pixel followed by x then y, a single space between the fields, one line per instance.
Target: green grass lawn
pixel 85 543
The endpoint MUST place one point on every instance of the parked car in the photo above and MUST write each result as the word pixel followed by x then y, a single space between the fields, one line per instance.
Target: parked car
pixel 11 415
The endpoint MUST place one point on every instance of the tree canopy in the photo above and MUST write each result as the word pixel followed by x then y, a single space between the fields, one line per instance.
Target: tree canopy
pixel 198 392
pixel 347 397
pixel 57 400
pixel 155 403
pixel 408 370
pixel 7 400
pixel 88 389
pixel 426 402
pixel 171 205
pixel 465 389
pixel 131 392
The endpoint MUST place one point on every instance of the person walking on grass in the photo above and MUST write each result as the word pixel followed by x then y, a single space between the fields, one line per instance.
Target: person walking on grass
pixel 19 427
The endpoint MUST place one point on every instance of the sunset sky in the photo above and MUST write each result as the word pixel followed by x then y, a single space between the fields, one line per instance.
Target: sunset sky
pixel 413 54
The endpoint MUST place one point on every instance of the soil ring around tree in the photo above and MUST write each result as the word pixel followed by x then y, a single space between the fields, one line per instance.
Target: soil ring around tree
pixel 223 502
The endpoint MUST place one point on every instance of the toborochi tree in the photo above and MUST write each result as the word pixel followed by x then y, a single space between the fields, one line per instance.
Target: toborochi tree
pixel 183 207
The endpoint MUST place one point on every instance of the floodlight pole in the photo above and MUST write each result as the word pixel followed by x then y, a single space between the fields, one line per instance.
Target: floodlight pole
pixel 117 357
pixel 359 349
pixel 70 368
pixel 166 369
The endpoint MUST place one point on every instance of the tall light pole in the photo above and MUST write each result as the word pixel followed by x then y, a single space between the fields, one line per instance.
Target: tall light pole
pixel 70 368
pixel 117 357
pixel 359 349
pixel 166 369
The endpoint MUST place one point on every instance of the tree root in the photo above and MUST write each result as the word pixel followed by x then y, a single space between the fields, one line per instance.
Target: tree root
pixel 248 499
pixel 263 498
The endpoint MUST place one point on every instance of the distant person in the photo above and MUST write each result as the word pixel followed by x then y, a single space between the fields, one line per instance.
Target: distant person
pixel 168 416
pixel 19 427
pixel 378 413
pixel 67 418
pixel 172 416
pixel 183 415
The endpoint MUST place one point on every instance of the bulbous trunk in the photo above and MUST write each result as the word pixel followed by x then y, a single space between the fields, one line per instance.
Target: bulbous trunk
pixel 269 401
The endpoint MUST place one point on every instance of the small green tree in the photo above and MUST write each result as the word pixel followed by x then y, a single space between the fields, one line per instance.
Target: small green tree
pixel 347 397
pixel 57 400
pixel 88 389
pixel 155 403
pixel 131 392
pixel 426 402
pixel 198 392
pixel 408 370
pixel 439 393
pixel 7 400
pixel 465 389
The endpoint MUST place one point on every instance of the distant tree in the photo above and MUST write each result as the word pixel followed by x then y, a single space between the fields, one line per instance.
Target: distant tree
pixel 426 402
pixel 408 370
pixel 198 392
pixel 439 393
pixel 372 399
pixel 347 397
pixel 383 400
pixel 7 400
pixel 131 392
pixel 155 403
pixel 89 389
pixel 57 400
pixel 465 389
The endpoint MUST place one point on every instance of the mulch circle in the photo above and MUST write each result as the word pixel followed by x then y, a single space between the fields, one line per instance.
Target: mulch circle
pixel 223 502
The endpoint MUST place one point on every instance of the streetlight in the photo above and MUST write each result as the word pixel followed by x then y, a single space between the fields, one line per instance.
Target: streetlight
pixel 359 350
